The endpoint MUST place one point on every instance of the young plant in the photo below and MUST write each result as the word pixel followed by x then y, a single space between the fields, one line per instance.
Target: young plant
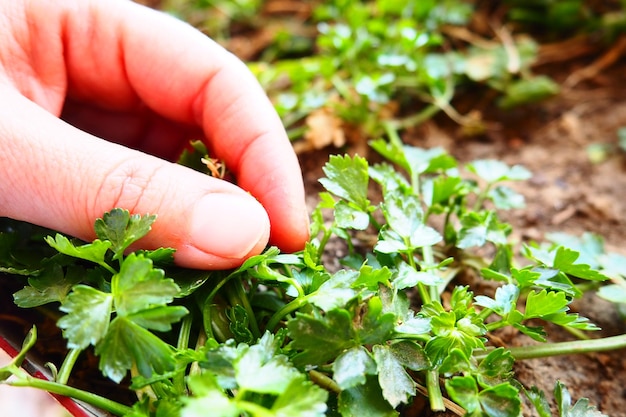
pixel 288 334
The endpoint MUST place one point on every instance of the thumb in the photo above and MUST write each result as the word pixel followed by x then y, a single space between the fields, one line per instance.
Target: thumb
pixel 57 176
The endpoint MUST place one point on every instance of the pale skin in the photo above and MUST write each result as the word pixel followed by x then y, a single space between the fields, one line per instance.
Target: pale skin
pixel 97 98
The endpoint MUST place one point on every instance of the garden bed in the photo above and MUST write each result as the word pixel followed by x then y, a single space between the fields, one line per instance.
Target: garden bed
pixel 569 142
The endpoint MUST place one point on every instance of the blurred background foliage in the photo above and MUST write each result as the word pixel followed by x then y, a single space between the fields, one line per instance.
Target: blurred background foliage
pixel 344 71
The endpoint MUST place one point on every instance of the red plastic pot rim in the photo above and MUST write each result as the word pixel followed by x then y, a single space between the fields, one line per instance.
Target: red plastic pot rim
pixel 75 408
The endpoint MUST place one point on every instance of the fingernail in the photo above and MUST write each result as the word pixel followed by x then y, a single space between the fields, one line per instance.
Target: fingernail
pixel 229 225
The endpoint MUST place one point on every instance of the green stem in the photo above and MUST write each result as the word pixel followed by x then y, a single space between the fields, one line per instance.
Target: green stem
pixel 429 259
pixel 183 343
pixel 237 296
pixel 374 222
pixel 493 326
pixel 67 366
pixel 481 198
pixel 411 336
pixel 184 332
pixel 434 391
pixel 416 119
pixel 286 309
pixel 323 242
pixel 109 268
pixel 75 393
pixel 324 381
pixel 563 348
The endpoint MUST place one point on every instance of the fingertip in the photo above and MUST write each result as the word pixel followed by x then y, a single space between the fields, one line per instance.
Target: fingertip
pixel 291 236
pixel 224 229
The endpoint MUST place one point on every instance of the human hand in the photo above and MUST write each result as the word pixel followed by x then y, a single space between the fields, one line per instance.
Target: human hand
pixel 145 82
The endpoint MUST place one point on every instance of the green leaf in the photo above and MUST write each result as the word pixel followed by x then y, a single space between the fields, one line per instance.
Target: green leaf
pixel 158 318
pixel 207 396
pixel 365 400
pixel 496 368
pixel 321 338
pixel 479 228
pixel 347 178
pixel 258 368
pixel 493 171
pixel 404 214
pixel 456 362
pixel 464 391
pixel 505 198
pixel 51 285
pixel 352 367
pixel 93 252
pixel 240 324
pixel 552 306
pixel 126 344
pixel 498 401
pixel 410 355
pixel 348 217
pixel 408 277
pixel 192 155
pixel 539 401
pixel 389 179
pixel 160 256
pixel 414 325
pixel 589 245
pixel 613 264
pixel 564 260
pixel 122 229
pixel 441 189
pixel 580 409
pixel 504 302
pixel 450 333
pixel 528 90
pixel 139 286
pixel 540 304
pixel 422 161
pixel 256 260
pixel 301 398
pixel 397 386
pixel 336 292
pixel 87 319
pixel 376 325
pixel 614 293
pixel 370 277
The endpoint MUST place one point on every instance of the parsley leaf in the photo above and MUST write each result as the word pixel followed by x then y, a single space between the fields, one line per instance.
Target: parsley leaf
pixel 126 344
pixel 139 286
pixel 87 319
pixel 493 171
pixel 396 384
pixel 498 401
pixel 122 229
pixel 347 178
pixel 258 369
pixel 580 409
pixel 352 367
pixel 93 252
pixel 50 285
